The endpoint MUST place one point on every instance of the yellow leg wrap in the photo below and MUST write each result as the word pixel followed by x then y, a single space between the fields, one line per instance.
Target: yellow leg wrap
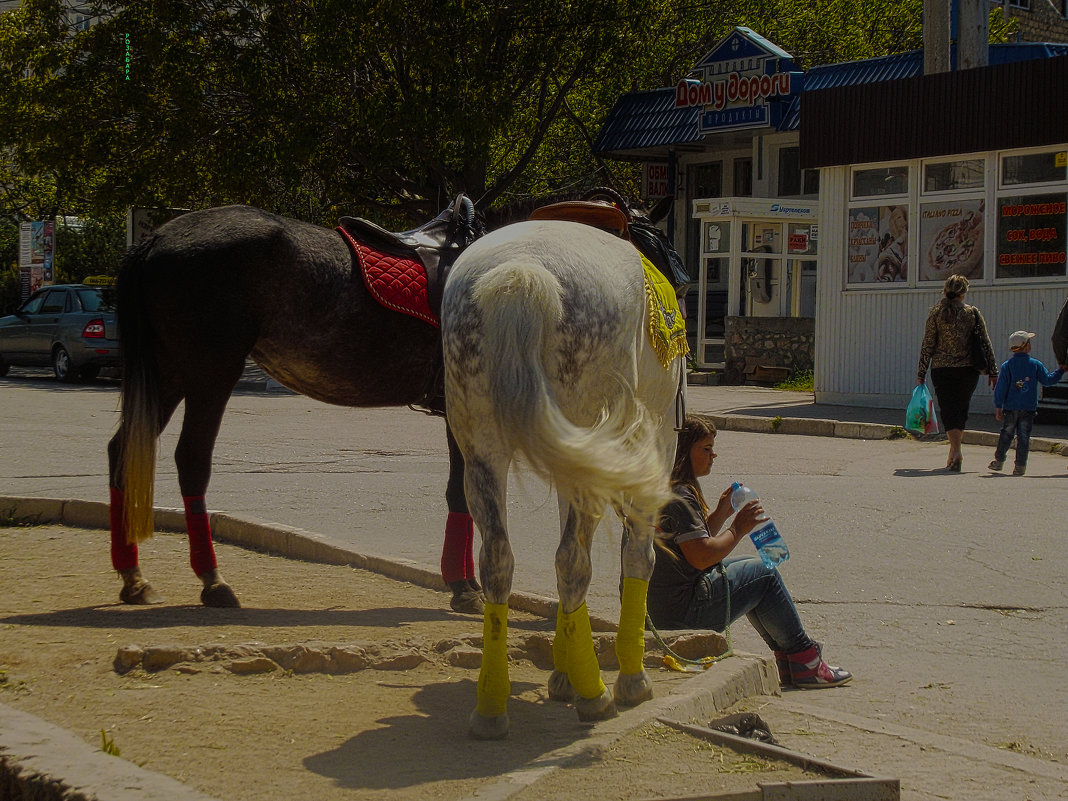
pixel 493 684
pixel 630 638
pixel 582 667
pixel 560 642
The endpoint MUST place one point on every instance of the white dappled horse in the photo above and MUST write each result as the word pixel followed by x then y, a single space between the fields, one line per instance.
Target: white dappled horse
pixel 548 355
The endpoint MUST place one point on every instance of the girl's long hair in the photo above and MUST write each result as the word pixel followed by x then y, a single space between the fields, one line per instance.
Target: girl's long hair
pixel 695 428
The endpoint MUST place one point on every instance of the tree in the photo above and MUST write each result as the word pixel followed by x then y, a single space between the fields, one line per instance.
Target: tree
pixel 384 108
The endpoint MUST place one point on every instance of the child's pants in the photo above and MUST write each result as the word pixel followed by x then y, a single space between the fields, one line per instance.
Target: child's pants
pixel 1018 423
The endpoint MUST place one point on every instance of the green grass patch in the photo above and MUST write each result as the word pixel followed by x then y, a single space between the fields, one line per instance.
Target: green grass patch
pixel 107 744
pixel 800 381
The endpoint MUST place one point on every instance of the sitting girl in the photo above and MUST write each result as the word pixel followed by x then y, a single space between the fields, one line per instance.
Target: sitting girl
pixel 694 582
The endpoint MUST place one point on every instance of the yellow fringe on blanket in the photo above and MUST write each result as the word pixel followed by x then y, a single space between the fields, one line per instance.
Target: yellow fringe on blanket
pixel 667 326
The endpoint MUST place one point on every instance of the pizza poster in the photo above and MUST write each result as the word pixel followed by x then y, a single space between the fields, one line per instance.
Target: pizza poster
pixel 878 244
pixel 1031 236
pixel 951 240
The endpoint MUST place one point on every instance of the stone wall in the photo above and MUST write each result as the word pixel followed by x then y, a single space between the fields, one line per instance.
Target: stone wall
pixel 1044 22
pixel 767 349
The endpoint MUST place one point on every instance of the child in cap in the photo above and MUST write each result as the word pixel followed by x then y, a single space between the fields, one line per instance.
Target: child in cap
pixel 1016 399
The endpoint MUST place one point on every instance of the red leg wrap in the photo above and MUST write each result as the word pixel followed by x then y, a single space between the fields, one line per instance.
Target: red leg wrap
pixel 456 560
pixel 201 551
pixel 123 554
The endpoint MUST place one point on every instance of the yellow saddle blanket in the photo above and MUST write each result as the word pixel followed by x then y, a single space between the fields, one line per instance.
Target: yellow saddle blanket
pixel 667 326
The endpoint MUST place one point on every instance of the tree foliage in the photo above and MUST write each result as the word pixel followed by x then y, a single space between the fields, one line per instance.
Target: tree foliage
pixel 384 108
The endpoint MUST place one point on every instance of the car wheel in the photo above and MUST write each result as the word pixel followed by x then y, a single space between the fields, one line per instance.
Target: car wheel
pixel 61 365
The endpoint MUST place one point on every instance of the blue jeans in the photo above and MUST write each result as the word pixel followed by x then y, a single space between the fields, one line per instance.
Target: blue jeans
pixel 755 591
pixel 1018 423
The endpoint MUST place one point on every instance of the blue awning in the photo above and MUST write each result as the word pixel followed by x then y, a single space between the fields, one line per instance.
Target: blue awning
pixel 642 123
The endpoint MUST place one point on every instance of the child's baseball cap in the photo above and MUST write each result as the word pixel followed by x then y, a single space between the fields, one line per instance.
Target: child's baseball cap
pixel 1017 339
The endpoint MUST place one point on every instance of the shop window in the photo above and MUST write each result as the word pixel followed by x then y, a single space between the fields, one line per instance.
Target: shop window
pixel 1031 236
pixel 792 180
pixel 881 181
pixel 951 240
pixel 1034 168
pixel 947 176
pixel 703 180
pixel 878 244
pixel 743 177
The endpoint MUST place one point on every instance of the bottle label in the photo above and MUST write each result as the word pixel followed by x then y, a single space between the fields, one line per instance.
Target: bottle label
pixel 765 535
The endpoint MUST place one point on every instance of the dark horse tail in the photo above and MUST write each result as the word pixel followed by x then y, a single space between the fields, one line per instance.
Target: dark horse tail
pixel 140 415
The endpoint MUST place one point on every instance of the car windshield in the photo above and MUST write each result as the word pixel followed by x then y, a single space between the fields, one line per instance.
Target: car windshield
pixel 97 299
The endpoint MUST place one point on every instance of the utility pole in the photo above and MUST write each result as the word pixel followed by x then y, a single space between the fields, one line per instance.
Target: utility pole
pixel 936 36
pixel 973 48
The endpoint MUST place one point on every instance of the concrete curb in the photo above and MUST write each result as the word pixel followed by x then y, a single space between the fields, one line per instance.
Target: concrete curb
pixel 43 762
pixel 819 427
pixel 287 541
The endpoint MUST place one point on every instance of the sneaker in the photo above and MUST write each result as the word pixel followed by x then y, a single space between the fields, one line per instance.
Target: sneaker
pixel 996 464
pixel 808 671
pixel 1019 470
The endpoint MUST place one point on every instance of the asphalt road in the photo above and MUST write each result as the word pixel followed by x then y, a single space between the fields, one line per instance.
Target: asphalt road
pixel 945 594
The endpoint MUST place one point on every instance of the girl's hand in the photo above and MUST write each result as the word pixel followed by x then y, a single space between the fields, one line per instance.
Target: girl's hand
pixel 724 509
pixel 748 517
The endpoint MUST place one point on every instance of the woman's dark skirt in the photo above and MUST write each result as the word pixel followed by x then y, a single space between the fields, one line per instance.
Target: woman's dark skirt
pixel 954 387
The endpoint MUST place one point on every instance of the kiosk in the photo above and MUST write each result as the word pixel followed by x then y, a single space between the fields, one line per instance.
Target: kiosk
pixel 758 260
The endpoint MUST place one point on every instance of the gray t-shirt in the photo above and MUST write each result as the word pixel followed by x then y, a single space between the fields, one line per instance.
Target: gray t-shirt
pixel 672 584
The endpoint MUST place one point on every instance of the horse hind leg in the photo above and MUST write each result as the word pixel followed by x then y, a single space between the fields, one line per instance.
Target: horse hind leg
pixel 125 558
pixel 576 672
pixel 632 685
pixel 457 550
pixel 192 457
pixel 485 486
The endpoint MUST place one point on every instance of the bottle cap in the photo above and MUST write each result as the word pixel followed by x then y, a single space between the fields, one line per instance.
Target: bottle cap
pixel 736 485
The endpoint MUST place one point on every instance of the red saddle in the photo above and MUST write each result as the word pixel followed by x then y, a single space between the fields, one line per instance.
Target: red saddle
pixel 396 280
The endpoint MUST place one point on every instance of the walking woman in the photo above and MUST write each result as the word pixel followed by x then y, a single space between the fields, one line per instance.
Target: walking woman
pixel 696 584
pixel 955 365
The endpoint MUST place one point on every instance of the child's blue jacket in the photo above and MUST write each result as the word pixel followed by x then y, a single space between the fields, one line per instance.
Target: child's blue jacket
pixel 1017 386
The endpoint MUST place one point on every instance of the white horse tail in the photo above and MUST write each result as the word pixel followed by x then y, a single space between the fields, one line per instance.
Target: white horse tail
pixel 619 458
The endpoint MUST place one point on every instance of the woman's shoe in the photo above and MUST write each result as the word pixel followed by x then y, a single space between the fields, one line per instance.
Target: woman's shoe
pixel 808 671
pixel 954 465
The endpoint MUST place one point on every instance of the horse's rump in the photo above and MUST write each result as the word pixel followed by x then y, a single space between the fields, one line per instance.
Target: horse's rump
pixel 558 371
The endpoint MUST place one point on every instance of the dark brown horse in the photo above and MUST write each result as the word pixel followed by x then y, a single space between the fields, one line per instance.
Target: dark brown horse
pixel 215 287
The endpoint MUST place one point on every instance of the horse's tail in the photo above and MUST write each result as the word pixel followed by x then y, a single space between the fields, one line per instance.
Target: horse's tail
pixel 140 415
pixel 618 459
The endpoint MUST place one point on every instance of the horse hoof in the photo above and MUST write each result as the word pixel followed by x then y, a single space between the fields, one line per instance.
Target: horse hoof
pixel 219 595
pixel 483 728
pixel 600 708
pixel 468 602
pixel 633 688
pixel 560 688
pixel 140 593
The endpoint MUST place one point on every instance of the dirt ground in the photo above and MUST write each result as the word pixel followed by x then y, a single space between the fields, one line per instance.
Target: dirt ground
pixel 330 683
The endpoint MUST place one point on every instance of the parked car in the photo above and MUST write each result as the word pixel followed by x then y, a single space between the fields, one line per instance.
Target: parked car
pixel 71 327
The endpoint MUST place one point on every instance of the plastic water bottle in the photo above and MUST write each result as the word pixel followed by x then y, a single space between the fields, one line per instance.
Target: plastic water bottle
pixel 769 543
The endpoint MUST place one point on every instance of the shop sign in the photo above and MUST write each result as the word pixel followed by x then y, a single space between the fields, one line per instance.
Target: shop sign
pixel 37 249
pixel 951 240
pixel 754 207
pixel 745 82
pixel 1031 236
pixel 878 244
pixel 656 180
